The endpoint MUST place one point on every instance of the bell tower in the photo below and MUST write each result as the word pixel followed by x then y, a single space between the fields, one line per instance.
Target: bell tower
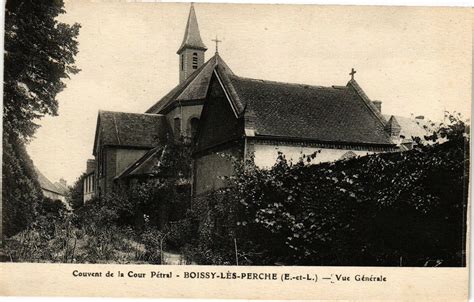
pixel 191 52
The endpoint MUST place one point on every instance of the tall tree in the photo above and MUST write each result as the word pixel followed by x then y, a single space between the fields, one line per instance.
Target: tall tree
pixel 39 55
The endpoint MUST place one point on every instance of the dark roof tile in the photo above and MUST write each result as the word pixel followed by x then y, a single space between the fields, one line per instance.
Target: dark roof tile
pixel 193 88
pixel 46 184
pixel 325 114
pixel 131 129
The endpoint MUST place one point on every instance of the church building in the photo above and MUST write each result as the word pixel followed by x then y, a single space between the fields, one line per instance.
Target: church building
pixel 224 114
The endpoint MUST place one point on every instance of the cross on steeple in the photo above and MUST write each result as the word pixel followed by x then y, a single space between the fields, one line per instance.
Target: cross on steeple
pixel 352 73
pixel 217 43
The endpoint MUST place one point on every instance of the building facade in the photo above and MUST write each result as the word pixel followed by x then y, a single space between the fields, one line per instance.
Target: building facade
pixel 89 183
pixel 225 115
pixel 50 190
pixel 247 118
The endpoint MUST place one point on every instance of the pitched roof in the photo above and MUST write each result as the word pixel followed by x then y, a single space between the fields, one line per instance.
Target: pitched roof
pixel 145 166
pixel 192 37
pixel 131 129
pixel 392 125
pixel 193 88
pixel 411 127
pixel 325 114
pixel 63 189
pixel 46 184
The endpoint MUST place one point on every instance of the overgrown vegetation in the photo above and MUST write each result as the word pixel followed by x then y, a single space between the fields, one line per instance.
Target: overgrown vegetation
pixel 130 225
pixel 21 192
pixel 392 209
pixel 75 194
pixel 39 55
pixel 389 209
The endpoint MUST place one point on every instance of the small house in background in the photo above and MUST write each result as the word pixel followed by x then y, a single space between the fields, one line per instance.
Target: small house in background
pixel 410 128
pixel 62 186
pixel 89 186
pixel 50 190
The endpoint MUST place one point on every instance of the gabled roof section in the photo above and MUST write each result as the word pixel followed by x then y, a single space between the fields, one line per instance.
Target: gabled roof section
pixel 192 37
pixel 130 129
pixel 297 111
pixel 194 88
pixel 225 79
pixel 354 85
pixel 392 124
pixel 63 189
pixel 411 127
pixel 145 166
pixel 46 184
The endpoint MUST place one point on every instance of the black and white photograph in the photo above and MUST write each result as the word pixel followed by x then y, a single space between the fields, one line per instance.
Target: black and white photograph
pixel 146 133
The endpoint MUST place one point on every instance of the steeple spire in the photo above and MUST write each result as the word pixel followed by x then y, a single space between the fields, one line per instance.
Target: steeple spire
pixel 191 51
pixel 192 37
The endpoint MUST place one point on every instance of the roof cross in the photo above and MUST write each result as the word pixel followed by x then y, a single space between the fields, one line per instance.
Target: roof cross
pixel 352 73
pixel 217 43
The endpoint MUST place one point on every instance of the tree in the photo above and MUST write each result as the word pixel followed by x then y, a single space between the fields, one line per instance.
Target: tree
pixel 21 191
pixel 387 209
pixel 39 54
pixel 75 194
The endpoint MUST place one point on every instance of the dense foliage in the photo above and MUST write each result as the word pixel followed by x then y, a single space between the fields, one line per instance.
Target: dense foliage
pixel 39 54
pixel 130 225
pixel 161 196
pixel 89 236
pixel 391 209
pixel 75 194
pixel 388 209
pixel 21 192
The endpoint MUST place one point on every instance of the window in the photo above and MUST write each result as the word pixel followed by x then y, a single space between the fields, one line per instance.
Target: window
pixel 182 62
pixel 195 60
pixel 177 126
pixel 193 123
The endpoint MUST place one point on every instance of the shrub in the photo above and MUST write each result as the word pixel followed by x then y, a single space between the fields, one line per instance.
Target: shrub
pixel 404 208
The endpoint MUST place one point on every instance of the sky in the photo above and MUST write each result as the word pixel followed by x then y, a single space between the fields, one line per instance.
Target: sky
pixel 415 60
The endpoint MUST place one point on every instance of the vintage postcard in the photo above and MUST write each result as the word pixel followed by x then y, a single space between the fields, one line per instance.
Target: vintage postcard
pixel 240 151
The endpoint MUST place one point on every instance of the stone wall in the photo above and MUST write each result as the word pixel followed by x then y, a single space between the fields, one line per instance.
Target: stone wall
pixel 186 62
pixel 184 114
pixel 126 157
pixel 116 161
pixel 210 168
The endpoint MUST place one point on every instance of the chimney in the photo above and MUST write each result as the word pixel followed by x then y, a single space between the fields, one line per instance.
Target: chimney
pixel 90 165
pixel 378 104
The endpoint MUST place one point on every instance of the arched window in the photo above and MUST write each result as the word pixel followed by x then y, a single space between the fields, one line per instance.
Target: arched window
pixel 193 125
pixel 195 60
